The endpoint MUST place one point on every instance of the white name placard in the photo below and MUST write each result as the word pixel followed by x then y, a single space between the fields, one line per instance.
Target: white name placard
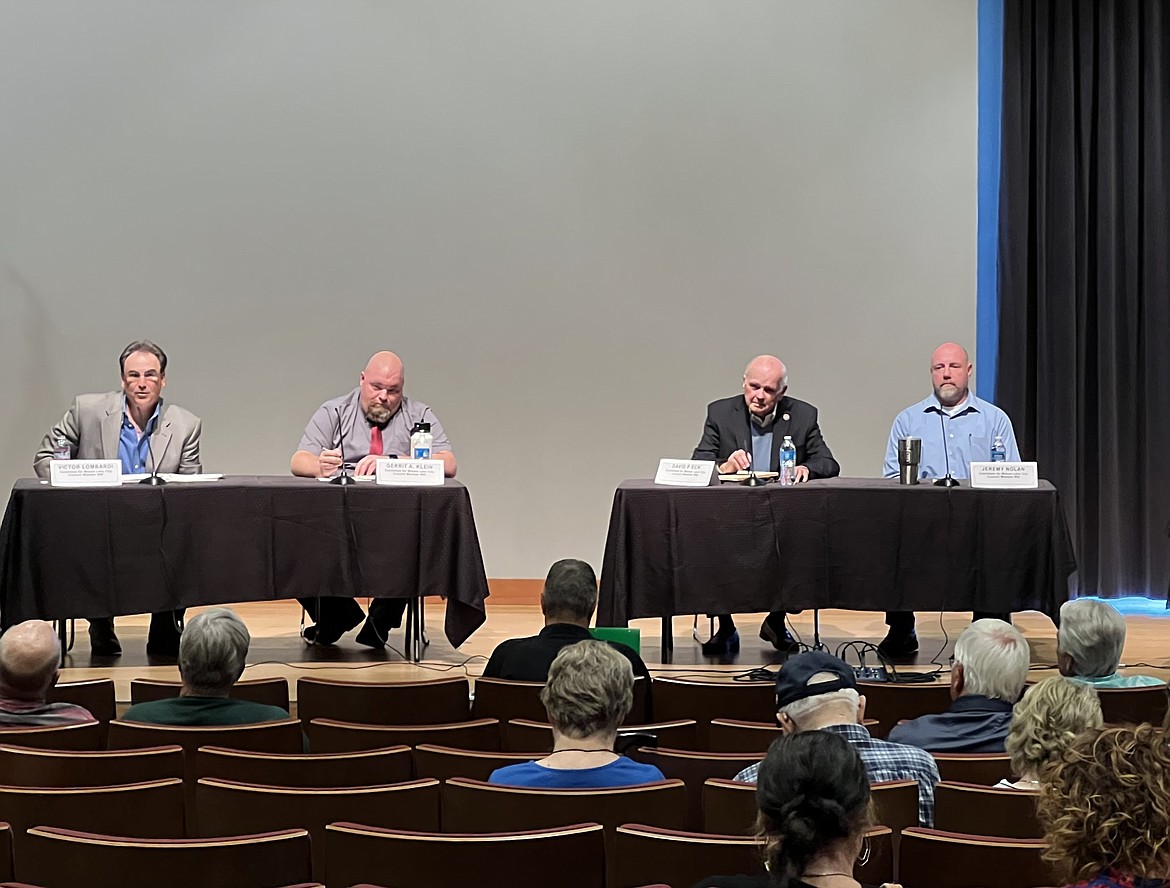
pixel 410 472
pixel 85 472
pixel 685 472
pixel 1004 474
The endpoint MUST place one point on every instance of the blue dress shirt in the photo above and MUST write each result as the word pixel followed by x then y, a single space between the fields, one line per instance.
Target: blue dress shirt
pixel 970 432
pixel 134 451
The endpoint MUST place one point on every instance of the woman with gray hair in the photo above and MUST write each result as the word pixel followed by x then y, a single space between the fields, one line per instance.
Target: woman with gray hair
pixel 1052 714
pixel 590 690
pixel 212 654
pixel 1089 644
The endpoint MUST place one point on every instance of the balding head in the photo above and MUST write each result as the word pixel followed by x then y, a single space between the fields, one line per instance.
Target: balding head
pixel 381 387
pixel 29 653
pixel 950 372
pixel 764 382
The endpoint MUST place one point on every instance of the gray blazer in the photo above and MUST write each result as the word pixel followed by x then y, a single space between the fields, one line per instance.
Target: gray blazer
pixel 94 422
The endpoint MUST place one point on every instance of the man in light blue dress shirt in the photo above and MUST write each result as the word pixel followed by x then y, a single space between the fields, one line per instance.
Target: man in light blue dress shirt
pixel 956 428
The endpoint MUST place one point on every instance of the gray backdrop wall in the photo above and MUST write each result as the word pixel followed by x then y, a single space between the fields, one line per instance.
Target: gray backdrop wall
pixel 574 221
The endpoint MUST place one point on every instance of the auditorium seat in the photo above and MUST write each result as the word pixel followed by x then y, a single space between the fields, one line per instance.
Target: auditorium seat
pixel 973 767
pixel 151 809
pixel 1133 705
pixel 268 691
pixel 83 735
pixel 24 766
pixel 227 807
pixel 443 762
pixel 693 768
pixel 329 735
pixel 645 854
pixel 895 805
pixel 568 857
pixel 325 769
pixel 732 735
pixel 931 858
pixel 436 702
pixel 521 734
pixel 58 857
pixel 703 701
pixel 729 807
pixel 986 811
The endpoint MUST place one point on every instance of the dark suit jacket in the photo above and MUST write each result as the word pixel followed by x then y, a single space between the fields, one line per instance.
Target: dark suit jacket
pixel 727 430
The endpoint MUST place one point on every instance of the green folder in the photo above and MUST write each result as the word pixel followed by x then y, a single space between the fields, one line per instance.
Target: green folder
pixel 631 637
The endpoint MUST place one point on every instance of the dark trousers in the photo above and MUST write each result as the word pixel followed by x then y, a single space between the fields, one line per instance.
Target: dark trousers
pixel 902 622
pixel 164 627
pixel 344 613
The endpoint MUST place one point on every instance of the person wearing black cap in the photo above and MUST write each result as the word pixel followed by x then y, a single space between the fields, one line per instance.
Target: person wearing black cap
pixel 818 692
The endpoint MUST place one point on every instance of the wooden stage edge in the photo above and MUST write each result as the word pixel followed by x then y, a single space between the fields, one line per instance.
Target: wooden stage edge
pixel 278 650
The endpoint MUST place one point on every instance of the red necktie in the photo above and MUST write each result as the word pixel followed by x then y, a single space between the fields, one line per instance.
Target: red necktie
pixel 375 441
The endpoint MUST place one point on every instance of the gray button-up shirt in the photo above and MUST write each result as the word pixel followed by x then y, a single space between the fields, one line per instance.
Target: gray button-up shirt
pixel 321 432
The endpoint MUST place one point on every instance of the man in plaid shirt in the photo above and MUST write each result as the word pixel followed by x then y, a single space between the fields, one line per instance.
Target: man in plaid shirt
pixel 818 692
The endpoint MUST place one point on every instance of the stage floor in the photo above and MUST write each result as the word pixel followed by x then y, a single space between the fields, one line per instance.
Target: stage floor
pixel 277 648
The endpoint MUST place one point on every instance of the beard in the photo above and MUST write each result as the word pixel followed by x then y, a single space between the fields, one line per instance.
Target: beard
pixel 378 414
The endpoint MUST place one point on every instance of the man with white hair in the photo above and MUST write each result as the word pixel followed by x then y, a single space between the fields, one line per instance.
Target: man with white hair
pixel 1089 645
pixel 818 692
pixel 212 654
pixel 991 666
pixel 29 654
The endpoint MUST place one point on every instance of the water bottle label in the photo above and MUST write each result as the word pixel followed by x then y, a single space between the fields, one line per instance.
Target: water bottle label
pixel 422 453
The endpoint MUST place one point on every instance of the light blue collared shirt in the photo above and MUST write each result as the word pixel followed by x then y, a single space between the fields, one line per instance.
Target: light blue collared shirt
pixel 134 451
pixel 969 433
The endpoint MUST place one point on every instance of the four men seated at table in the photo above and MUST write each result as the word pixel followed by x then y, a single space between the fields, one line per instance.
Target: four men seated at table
pixel 29 656
pixel 374 420
pixel 745 432
pixel 987 678
pixel 136 426
pixel 212 656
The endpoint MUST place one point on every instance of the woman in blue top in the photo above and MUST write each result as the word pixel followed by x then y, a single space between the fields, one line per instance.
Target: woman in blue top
pixel 589 692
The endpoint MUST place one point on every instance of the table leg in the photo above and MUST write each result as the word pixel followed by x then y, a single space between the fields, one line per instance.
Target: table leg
pixel 667 639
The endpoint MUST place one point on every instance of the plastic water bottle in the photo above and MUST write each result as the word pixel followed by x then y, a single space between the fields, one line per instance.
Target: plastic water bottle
pixel 998 450
pixel 421 441
pixel 61 448
pixel 787 461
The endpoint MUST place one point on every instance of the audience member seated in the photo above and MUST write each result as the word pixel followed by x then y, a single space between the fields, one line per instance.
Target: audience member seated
pixel 212 655
pixel 991 666
pixel 813 796
pixel 818 692
pixel 567 601
pixel 590 690
pixel 1105 808
pixel 1053 713
pixel 1089 645
pixel 29 655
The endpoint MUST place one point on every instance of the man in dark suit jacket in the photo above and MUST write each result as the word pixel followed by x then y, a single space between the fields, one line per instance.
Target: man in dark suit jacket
pixel 747 431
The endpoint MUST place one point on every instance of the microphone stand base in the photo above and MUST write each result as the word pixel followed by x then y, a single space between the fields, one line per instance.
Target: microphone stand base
pixel 344 479
pixel 946 481
pixel 755 481
pixel 154 480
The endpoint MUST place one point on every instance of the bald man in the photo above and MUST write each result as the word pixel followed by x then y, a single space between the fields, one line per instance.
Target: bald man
pixel 745 432
pixel 29 654
pixel 956 428
pixel 372 421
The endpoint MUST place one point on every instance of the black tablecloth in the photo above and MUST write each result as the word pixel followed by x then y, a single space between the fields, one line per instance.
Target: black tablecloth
pixel 137 549
pixel 860 544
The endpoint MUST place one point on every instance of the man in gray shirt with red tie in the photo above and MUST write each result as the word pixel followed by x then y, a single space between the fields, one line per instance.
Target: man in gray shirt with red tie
pixel 374 420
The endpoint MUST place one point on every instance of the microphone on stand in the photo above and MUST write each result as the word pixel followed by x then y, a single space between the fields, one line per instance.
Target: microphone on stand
pixel 946 480
pixel 154 480
pixel 345 478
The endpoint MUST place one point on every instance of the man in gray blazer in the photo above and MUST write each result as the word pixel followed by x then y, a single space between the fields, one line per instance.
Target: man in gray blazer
pixel 135 426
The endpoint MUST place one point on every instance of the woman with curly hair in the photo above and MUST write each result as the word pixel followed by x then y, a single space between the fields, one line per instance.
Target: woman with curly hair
pixel 813 795
pixel 1105 807
pixel 1049 717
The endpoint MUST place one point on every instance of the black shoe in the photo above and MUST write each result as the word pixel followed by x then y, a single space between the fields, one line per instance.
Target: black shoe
pixel 165 647
pixel 721 644
pixel 898 645
pixel 103 641
pixel 780 638
pixel 330 633
pixel 370 636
